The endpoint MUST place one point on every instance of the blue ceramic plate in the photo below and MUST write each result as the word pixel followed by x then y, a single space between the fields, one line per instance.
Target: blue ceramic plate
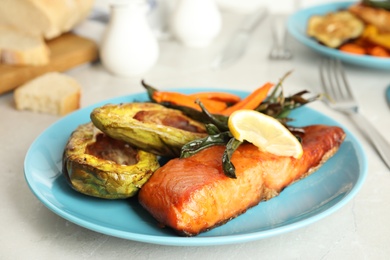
pixel 300 204
pixel 297 24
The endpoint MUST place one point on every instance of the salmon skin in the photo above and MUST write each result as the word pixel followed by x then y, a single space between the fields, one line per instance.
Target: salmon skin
pixel 193 195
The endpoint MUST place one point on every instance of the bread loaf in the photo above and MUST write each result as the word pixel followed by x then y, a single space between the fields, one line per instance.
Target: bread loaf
pixel 52 93
pixel 20 48
pixel 47 18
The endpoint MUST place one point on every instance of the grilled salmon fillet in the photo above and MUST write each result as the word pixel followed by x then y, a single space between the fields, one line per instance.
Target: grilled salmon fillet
pixel 193 195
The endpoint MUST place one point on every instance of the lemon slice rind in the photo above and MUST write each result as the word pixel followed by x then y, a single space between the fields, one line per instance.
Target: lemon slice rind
pixel 265 132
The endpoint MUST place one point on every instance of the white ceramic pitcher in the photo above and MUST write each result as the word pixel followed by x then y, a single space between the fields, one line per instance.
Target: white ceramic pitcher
pixel 129 47
pixel 195 23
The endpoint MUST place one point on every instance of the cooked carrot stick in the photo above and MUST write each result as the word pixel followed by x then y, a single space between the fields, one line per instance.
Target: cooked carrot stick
pixel 213 106
pixel 252 101
pixel 219 96
pixel 379 51
pixel 352 48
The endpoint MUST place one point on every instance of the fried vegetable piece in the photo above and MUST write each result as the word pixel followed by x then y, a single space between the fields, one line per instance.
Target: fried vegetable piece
pixel 371 42
pixel 218 96
pixel 215 102
pixel 353 48
pixel 193 195
pixel 372 35
pixel 99 166
pixel 379 51
pixel 148 126
pixel 384 4
pixel 335 28
pixel 252 101
pixel 378 17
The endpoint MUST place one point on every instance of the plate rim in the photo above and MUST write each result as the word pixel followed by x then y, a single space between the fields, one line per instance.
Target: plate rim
pixel 360 60
pixel 197 240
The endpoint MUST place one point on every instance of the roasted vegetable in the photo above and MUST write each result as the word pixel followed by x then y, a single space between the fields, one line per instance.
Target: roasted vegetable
pixel 334 29
pixel 371 42
pixel 353 48
pixel 279 106
pixel 252 101
pixel 215 102
pixel 177 98
pixel 148 126
pixel 385 4
pixel 276 104
pixel 372 35
pixel 99 166
pixel 373 15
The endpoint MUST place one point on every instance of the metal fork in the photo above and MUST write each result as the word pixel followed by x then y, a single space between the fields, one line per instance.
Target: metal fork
pixel 334 83
pixel 279 49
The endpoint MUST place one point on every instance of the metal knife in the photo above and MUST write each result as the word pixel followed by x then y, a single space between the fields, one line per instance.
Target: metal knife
pixel 388 95
pixel 236 46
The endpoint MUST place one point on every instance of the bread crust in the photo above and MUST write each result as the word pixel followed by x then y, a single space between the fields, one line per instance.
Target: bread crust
pixel 52 93
pixel 20 48
pixel 45 18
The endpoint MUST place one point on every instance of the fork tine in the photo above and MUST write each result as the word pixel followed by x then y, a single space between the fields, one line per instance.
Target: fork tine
pixel 279 49
pixel 334 81
pixel 347 93
pixel 326 79
pixel 334 69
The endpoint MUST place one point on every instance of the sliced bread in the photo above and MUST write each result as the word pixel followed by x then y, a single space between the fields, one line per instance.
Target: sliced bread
pixel 46 18
pixel 20 48
pixel 52 93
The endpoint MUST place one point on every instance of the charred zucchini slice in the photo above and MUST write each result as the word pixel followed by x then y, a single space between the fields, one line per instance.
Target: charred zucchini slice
pixel 99 166
pixel 148 126
pixel 334 29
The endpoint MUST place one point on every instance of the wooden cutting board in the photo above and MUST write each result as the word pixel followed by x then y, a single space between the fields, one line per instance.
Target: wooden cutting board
pixel 66 51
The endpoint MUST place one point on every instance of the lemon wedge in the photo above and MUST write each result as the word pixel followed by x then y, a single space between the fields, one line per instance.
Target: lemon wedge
pixel 265 132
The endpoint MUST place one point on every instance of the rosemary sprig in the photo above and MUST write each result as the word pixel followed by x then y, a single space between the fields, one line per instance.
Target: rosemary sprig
pixel 227 165
pixel 197 145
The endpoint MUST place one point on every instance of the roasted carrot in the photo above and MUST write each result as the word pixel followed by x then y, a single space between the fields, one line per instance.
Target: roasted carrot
pixel 379 51
pixel 214 102
pixel 353 48
pixel 250 102
pixel 219 96
pixel 213 106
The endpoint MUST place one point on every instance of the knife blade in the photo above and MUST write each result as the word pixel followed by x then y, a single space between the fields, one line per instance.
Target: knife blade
pixel 236 46
pixel 388 95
